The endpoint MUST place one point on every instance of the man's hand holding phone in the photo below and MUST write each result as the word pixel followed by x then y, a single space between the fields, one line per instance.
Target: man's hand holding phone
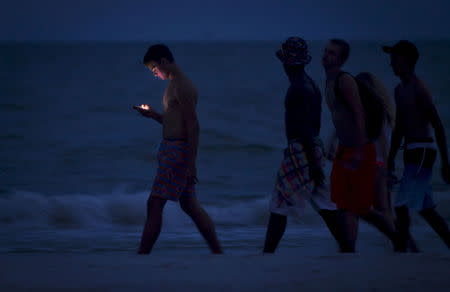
pixel 147 111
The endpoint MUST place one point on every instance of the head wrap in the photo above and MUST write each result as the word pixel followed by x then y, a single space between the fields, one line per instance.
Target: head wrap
pixel 294 51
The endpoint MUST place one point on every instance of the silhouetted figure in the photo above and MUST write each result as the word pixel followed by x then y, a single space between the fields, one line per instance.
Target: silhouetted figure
pixel 176 175
pixel 300 177
pixel 415 114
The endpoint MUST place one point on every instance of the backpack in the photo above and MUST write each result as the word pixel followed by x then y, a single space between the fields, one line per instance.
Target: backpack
pixel 373 105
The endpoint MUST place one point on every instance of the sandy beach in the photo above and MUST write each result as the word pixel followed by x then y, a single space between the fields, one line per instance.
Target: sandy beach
pixel 290 270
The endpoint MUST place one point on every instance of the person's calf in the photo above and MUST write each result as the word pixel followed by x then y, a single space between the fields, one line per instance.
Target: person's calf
pixel 402 224
pixel 331 219
pixel 348 225
pixel 379 221
pixel 203 222
pixel 275 231
pixel 152 226
pixel 438 224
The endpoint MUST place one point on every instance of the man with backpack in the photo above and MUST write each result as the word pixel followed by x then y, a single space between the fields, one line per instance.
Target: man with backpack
pixel 355 116
pixel 415 114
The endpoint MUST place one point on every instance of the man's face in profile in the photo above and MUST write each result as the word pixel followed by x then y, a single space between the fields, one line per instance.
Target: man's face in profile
pixel 400 64
pixel 331 55
pixel 158 69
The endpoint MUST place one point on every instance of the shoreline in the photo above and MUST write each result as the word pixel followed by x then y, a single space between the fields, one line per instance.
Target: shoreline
pixel 290 270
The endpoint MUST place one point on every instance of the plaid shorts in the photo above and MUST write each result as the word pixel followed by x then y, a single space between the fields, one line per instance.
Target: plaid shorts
pixel 293 186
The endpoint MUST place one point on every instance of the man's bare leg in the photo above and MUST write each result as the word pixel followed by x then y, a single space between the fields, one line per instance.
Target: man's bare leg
pixel 191 206
pixel 402 224
pixel 378 220
pixel 349 226
pixel 331 219
pixel 383 198
pixel 275 231
pixel 153 223
pixel 438 224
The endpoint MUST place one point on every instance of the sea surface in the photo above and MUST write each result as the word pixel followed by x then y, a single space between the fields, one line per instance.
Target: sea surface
pixel 77 162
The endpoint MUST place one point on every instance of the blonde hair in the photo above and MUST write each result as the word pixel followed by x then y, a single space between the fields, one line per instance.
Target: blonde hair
pixel 380 90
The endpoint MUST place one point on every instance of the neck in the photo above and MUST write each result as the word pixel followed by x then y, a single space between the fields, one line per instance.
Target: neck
pixel 296 75
pixel 175 72
pixel 332 72
pixel 406 78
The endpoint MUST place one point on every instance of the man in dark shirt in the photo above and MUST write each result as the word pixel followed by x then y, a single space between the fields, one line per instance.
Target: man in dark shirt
pixel 300 177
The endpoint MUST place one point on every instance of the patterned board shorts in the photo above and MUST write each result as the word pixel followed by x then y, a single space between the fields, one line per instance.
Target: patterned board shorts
pixel 293 186
pixel 171 180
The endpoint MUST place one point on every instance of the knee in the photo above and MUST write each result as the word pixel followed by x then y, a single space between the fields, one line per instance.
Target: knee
pixel 277 220
pixel 187 207
pixel 154 203
pixel 402 212
pixel 402 217
pixel 427 212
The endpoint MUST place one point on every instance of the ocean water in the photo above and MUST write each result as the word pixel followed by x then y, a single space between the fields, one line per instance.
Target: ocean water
pixel 77 163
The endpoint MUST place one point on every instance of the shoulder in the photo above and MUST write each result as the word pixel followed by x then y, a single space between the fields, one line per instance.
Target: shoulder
pixel 312 83
pixel 398 92
pixel 421 88
pixel 184 91
pixel 297 88
pixel 300 91
pixel 345 78
pixel 346 82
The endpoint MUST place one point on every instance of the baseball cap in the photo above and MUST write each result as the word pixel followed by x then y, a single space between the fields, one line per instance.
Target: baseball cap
pixel 403 48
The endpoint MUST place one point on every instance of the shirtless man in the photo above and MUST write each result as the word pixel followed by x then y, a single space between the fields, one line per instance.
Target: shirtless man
pixel 353 175
pixel 300 177
pixel 176 175
pixel 415 114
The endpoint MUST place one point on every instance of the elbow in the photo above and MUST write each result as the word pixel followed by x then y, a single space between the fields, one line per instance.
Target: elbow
pixel 193 127
pixel 438 126
pixel 196 129
pixel 361 121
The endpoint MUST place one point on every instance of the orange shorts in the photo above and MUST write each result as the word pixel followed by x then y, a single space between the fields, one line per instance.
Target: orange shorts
pixel 354 189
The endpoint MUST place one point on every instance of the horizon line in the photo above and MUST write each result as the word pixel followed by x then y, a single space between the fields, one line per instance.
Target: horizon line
pixel 208 40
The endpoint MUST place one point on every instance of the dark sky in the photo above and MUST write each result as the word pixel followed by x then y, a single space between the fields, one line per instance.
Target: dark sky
pixel 223 19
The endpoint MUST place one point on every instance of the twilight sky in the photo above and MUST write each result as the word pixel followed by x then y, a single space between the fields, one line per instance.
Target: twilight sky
pixel 223 19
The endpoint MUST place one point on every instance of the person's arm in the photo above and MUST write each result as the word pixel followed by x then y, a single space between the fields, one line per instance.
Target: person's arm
pixel 383 141
pixel 331 146
pixel 148 112
pixel 189 115
pixel 349 92
pixel 426 103
pixel 315 168
pixel 396 139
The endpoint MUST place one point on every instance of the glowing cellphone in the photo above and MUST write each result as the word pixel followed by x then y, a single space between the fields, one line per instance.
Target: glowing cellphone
pixel 142 106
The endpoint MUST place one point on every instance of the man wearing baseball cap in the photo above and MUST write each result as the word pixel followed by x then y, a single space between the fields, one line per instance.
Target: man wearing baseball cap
pixel 300 178
pixel 416 114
